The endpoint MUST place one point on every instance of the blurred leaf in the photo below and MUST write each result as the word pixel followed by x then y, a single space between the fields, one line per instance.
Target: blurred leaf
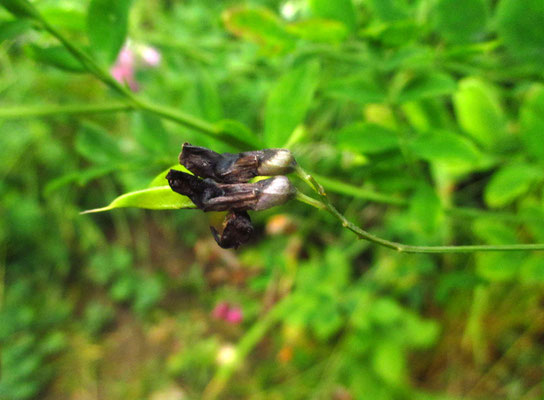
pixel 389 362
pixel 532 122
pixel 479 111
pixel 60 16
pixel 150 133
pixel 521 27
pixel 532 270
pixel 339 10
pixel 427 86
pixel 509 183
pixel 80 177
pixel 107 27
pixel 500 266
pixel 97 145
pixel 241 133
pixel 20 8
pixel 56 56
pixel 155 198
pixel 389 10
pixel 258 25
pixel 367 138
pixel 288 102
pixel 444 146
pixel 11 29
pixel 461 21
pixel 319 30
pixel 426 210
pixel 362 89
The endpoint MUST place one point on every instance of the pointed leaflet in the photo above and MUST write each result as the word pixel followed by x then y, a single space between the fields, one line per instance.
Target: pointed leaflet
pixel 156 198
pixel 107 27
pixel 288 103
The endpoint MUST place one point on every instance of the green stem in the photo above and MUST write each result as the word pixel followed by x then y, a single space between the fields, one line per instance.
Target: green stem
pixel 134 101
pixel 400 247
pixel 336 186
pixel 245 345
pixel 76 109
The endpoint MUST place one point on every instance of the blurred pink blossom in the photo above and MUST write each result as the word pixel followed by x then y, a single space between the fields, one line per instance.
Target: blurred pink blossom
pixel 131 56
pixel 228 313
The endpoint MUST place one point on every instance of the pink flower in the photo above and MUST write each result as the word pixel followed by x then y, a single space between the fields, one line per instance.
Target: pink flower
pixel 228 313
pixel 130 57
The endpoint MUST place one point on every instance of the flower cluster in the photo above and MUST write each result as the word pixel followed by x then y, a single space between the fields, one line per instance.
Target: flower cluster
pixel 221 183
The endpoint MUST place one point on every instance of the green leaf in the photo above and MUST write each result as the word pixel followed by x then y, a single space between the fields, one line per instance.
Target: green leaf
pixel 362 89
pixel 367 138
pixel 443 146
pixel 521 27
pixel 461 21
pixel 479 111
pixel 56 56
pixel 339 10
pixel 425 211
pixel 389 10
pixel 509 183
pixel 532 122
pixel 288 103
pixel 427 86
pixel 20 8
pixel 389 362
pixel 499 266
pixel 319 30
pixel 107 27
pixel 97 145
pixel 260 26
pixel 156 198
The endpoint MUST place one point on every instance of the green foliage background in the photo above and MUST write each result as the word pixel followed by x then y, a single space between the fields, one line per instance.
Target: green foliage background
pixel 423 119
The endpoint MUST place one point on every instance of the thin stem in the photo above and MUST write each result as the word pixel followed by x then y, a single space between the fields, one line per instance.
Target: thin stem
pixel 336 186
pixel 400 247
pixel 48 110
pixel 134 101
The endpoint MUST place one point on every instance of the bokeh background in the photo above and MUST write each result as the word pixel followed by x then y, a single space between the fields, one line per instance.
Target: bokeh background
pixel 423 119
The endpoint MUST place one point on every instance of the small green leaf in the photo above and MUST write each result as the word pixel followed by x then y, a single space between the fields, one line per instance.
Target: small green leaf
pixel 499 266
pixel 509 183
pixel 56 56
pixel 156 198
pixel 461 21
pixel 150 133
pixel 107 27
pixel 479 111
pixel 367 138
pixel 532 122
pixel 20 8
pixel 425 211
pixel 389 10
pixel 288 103
pixel 260 26
pixel 339 10
pixel 427 86
pixel 443 146
pixel 521 27
pixel 532 270
pixel 389 362
pixel 362 89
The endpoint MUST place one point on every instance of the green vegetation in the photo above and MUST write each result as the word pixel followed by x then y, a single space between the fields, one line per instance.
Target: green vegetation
pixel 423 120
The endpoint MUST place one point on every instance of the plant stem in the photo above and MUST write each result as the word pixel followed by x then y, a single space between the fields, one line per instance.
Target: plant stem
pixel 400 247
pixel 134 101
pixel 336 186
pixel 76 109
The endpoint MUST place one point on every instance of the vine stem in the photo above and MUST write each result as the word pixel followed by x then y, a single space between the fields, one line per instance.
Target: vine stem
pixel 400 247
pixel 77 109
pixel 133 101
